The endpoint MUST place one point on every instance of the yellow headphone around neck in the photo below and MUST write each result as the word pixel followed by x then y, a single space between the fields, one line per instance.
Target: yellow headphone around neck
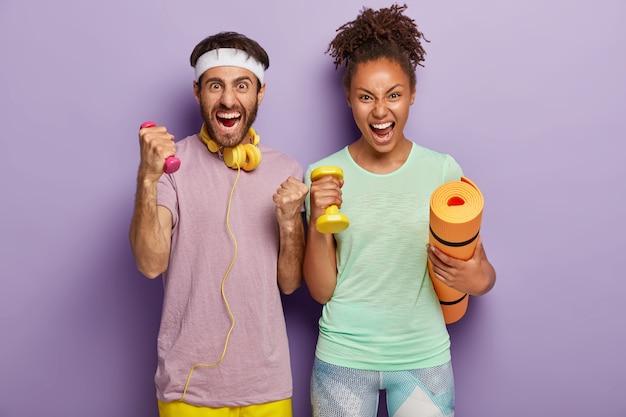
pixel 246 156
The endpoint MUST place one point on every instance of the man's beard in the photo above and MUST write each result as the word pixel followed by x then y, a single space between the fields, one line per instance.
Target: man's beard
pixel 248 116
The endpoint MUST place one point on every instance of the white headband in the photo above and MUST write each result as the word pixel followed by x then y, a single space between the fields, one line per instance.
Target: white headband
pixel 228 57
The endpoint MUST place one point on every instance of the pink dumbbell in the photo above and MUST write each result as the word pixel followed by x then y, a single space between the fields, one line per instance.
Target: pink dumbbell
pixel 171 162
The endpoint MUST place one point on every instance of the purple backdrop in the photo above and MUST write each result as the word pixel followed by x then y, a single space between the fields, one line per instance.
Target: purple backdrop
pixel 527 95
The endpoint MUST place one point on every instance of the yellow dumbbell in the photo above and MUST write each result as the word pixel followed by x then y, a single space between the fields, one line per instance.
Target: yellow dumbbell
pixel 331 221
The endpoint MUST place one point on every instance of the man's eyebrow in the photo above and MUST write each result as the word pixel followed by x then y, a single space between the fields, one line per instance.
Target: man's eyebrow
pixel 222 81
pixel 243 78
pixel 213 80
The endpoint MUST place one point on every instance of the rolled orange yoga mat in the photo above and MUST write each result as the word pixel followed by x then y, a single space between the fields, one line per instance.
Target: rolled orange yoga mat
pixel 456 210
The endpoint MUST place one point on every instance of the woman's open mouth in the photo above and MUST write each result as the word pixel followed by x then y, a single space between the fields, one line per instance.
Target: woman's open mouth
pixel 382 132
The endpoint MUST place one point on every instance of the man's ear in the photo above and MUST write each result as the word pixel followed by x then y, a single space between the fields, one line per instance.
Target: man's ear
pixel 261 93
pixel 196 91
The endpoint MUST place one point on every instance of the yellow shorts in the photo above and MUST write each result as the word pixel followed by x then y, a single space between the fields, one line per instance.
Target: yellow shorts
pixel 280 408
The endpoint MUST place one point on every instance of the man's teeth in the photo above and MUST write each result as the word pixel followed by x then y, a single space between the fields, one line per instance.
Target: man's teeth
pixel 382 125
pixel 229 115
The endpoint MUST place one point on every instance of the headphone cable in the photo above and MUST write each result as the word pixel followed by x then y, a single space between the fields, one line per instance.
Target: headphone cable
pixel 230 313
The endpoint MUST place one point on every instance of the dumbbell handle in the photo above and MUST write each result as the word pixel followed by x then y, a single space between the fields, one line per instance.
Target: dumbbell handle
pixel 172 163
pixel 323 171
pixel 331 221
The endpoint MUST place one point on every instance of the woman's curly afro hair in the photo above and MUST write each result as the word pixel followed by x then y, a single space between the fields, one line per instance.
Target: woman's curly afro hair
pixel 374 34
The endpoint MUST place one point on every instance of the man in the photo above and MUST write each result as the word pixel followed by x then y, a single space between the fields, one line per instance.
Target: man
pixel 226 233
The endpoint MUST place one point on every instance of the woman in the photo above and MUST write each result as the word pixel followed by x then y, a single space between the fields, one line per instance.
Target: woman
pixel 382 325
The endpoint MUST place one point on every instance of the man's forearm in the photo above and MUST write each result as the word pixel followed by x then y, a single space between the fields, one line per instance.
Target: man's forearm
pixel 149 242
pixel 290 255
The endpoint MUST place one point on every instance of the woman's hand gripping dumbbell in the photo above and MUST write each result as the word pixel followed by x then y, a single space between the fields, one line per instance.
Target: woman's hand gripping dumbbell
pixel 331 221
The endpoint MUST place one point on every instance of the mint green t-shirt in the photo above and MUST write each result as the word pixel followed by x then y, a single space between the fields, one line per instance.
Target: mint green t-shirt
pixel 384 314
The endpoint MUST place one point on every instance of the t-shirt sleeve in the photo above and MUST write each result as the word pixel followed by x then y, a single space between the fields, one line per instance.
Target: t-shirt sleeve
pixel 452 170
pixel 166 196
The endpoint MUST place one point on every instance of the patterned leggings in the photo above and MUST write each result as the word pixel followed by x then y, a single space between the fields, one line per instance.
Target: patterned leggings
pixel 337 391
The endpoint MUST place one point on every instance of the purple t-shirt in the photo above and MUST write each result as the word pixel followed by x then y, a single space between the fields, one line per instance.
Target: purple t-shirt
pixel 195 320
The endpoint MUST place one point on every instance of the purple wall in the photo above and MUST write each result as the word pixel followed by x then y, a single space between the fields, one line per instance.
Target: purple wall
pixel 527 95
